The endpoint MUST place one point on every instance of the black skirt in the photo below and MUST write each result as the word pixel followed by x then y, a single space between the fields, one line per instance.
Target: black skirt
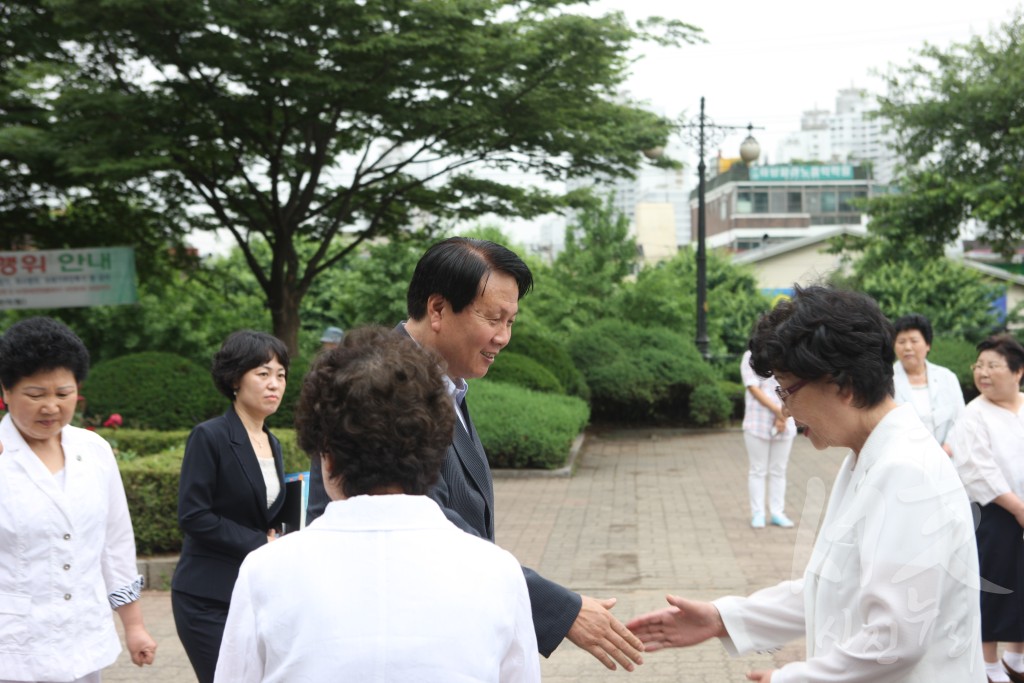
pixel 1001 559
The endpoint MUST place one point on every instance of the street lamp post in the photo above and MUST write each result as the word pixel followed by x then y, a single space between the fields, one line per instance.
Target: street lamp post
pixel 749 151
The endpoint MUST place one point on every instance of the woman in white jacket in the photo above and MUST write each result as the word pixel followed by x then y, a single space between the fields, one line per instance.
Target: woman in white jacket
pixel 67 551
pixel 891 590
pixel 933 390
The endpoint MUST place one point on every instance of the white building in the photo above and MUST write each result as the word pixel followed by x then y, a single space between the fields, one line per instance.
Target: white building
pixel 850 134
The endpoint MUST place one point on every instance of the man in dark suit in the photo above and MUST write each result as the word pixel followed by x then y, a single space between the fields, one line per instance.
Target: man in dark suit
pixel 462 301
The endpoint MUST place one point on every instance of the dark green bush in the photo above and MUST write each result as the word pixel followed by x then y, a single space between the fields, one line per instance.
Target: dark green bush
pixel 151 485
pixel 956 355
pixel 520 428
pixel 735 392
pixel 531 341
pixel 646 375
pixel 513 368
pixel 151 390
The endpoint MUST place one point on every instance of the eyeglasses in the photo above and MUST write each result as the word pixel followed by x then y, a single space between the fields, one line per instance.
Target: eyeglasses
pixel 987 366
pixel 783 394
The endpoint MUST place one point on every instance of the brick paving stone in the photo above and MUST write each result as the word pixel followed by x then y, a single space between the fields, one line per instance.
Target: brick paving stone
pixel 646 513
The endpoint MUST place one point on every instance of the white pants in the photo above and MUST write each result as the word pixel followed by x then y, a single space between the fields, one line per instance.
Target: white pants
pixel 768 459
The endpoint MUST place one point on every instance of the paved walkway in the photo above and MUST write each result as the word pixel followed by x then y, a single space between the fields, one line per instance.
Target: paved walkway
pixel 646 513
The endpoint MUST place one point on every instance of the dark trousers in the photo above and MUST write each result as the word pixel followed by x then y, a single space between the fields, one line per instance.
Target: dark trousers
pixel 200 626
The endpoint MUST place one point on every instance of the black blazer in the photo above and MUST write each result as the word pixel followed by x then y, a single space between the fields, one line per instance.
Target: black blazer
pixel 465 492
pixel 222 506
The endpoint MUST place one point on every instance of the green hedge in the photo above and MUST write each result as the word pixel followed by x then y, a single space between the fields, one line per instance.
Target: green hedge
pixel 530 341
pixel 521 428
pixel 513 368
pixel 647 375
pixel 151 485
pixel 151 390
pixel 956 355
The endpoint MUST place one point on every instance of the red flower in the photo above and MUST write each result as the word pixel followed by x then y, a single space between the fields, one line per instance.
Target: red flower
pixel 3 406
pixel 114 421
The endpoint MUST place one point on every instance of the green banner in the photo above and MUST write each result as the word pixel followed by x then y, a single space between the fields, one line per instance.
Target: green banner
pixel 67 278
pixel 791 172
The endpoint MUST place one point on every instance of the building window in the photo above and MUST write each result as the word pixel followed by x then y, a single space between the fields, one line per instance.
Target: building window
pixel 794 202
pixel 828 201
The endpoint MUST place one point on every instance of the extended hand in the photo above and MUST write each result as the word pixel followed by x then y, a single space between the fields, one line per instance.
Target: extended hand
pixel 761 676
pixel 602 635
pixel 686 622
pixel 140 644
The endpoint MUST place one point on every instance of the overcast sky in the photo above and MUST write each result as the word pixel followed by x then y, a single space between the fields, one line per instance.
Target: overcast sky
pixel 767 62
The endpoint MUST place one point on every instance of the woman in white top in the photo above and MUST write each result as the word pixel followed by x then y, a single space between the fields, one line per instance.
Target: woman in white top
pixel 890 592
pixel 988 449
pixel 933 390
pixel 381 587
pixel 230 492
pixel 768 434
pixel 67 550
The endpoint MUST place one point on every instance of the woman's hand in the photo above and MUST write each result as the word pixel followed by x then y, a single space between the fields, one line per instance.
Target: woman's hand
pixel 761 676
pixel 140 644
pixel 271 535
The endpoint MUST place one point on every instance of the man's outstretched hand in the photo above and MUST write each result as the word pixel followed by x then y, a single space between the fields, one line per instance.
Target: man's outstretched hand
pixel 602 635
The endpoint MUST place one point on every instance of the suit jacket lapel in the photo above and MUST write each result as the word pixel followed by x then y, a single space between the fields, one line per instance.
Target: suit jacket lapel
pixel 474 460
pixel 242 451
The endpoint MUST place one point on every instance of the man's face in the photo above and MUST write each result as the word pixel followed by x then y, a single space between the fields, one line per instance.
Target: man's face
pixel 470 340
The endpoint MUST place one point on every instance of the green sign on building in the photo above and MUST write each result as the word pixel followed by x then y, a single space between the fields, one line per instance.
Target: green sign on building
pixel 63 278
pixel 793 172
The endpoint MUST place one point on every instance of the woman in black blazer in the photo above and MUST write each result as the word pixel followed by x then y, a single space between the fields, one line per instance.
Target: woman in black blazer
pixel 230 491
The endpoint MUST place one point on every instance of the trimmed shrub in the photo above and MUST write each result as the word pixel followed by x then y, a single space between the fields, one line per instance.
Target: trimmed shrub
pixel 735 392
pixel 956 355
pixel 513 368
pixel 151 486
pixel 128 443
pixel 152 390
pixel 520 428
pixel 646 375
pixel 527 340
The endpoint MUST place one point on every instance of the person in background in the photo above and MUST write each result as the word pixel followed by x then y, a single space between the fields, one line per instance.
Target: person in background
pixel 412 597
pixel 67 549
pixel 231 489
pixel 331 337
pixel 988 445
pixel 462 301
pixel 933 390
pixel 768 434
pixel 890 592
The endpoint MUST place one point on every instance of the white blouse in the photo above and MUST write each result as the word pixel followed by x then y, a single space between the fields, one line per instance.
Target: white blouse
pixel 380 588
pixel 269 470
pixel 987 448
pixel 67 556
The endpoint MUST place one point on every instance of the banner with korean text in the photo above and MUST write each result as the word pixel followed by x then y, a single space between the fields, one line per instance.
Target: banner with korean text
pixel 60 278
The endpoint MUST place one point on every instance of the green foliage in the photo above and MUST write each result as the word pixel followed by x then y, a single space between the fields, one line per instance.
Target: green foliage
pixel 735 392
pixel 520 428
pixel 245 117
pixel 143 442
pixel 957 355
pixel 960 130
pixel 522 371
pixel 531 340
pixel 904 279
pixel 152 390
pixel 665 295
pixel 151 486
pixel 646 374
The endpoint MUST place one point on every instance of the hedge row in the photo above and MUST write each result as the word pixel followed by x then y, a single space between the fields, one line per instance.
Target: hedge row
pixel 518 427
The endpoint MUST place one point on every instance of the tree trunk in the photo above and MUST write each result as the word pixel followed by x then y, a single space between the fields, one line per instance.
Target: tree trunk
pixel 284 315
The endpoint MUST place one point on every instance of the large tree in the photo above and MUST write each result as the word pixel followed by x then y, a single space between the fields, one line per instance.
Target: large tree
pixel 959 118
pixel 295 121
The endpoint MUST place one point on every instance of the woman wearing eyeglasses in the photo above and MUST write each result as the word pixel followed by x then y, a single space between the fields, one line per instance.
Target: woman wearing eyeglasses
pixel 890 592
pixel 988 445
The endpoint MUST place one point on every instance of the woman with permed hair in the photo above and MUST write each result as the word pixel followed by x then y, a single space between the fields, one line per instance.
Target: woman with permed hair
pixel 987 445
pixel 381 586
pixel 67 549
pixel 230 492
pixel 891 589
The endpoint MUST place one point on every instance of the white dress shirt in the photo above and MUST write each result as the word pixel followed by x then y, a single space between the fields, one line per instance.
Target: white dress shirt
pixel 380 589
pixel 891 591
pixel 987 447
pixel 67 555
